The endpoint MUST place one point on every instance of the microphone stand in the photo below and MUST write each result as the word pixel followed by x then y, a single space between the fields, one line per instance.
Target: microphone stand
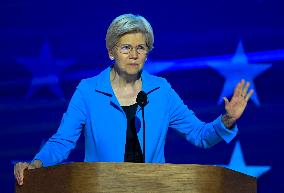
pixel 144 134
pixel 142 102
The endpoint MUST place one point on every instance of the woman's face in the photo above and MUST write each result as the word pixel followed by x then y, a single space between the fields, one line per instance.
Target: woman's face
pixel 130 53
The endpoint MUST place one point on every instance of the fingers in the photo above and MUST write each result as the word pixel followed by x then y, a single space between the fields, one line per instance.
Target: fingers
pixel 249 95
pixel 244 92
pixel 19 169
pixel 225 100
pixel 242 89
pixel 31 167
pixel 238 88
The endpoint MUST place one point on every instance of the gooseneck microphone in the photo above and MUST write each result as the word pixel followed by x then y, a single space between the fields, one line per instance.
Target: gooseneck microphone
pixel 142 101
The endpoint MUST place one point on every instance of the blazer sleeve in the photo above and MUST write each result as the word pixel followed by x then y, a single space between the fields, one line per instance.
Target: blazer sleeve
pixel 197 132
pixel 59 146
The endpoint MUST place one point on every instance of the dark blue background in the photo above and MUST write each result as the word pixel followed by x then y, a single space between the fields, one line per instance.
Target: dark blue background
pixel 47 47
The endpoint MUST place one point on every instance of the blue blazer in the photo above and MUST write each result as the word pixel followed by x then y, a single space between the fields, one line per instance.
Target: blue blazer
pixel 95 109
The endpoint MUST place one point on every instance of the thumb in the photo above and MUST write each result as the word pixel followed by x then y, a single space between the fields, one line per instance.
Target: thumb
pixel 31 166
pixel 226 101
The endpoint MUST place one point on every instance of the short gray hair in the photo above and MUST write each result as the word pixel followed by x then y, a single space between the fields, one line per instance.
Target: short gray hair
pixel 128 23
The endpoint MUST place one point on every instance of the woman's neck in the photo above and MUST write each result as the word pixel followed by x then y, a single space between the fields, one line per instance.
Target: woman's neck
pixel 124 80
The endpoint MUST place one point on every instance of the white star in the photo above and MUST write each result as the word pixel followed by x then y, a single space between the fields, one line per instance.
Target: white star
pixel 235 70
pixel 238 164
pixel 45 71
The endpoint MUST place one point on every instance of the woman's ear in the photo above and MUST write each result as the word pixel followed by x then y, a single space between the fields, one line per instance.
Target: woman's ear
pixel 110 55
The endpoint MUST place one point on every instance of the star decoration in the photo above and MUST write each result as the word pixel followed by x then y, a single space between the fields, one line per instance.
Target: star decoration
pixel 238 164
pixel 236 69
pixel 45 71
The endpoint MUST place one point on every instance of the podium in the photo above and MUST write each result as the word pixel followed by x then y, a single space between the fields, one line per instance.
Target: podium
pixel 135 177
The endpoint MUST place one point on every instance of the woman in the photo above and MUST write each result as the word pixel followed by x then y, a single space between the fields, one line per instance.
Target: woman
pixel 105 108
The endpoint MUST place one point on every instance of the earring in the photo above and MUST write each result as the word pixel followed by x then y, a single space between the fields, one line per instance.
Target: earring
pixel 112 58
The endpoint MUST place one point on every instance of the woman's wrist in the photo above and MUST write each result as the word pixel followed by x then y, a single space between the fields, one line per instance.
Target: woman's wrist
pixel 37 163
pixel 228 121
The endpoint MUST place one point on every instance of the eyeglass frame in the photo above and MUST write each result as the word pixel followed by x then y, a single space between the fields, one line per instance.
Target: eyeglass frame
pixel 120 47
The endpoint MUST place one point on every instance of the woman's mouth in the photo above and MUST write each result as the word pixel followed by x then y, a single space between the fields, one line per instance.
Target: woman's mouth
pixel 133 64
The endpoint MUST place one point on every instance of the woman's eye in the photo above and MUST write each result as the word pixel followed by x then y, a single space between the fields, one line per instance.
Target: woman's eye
pixel 141 48
pixel 125 47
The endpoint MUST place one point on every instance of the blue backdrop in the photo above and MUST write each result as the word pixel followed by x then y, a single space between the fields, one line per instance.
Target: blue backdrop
pixel 202 47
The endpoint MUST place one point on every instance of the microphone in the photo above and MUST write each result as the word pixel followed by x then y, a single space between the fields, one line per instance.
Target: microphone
pixel 142 99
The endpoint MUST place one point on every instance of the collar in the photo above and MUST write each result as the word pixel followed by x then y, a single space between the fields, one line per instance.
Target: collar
pixel 104 85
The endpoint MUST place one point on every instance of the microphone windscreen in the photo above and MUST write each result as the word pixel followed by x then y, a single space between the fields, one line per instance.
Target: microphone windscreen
pixel 142 99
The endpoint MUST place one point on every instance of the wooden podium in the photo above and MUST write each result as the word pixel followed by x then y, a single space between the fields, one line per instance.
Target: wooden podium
pixel 134 177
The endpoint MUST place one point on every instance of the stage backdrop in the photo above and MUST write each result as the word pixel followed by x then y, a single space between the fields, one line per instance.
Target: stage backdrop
pixel 201 47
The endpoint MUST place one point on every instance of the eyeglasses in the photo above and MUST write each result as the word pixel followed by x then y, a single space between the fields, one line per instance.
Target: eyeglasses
pixel 126 49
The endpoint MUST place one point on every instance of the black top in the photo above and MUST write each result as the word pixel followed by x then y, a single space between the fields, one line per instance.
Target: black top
pixel 133 152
